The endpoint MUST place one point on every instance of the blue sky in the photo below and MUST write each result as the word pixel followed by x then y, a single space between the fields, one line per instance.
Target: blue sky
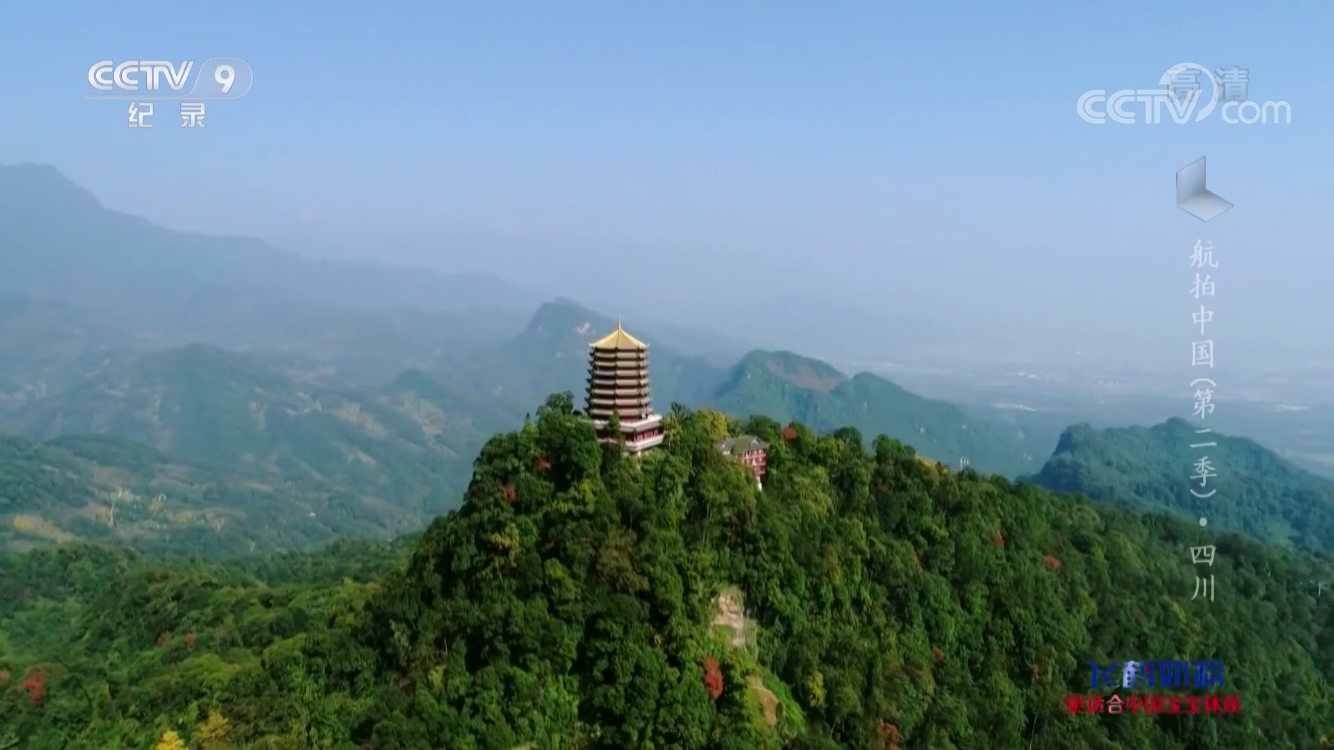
pixel 703 157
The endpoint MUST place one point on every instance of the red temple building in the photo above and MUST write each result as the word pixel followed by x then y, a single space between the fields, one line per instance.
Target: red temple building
pixel 750 451
pixel 618 385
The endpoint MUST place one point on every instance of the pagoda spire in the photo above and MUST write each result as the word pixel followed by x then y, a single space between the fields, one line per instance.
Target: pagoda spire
pixel 619 339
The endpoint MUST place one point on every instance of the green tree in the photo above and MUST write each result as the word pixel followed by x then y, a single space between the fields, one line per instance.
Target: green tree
pixel 213 733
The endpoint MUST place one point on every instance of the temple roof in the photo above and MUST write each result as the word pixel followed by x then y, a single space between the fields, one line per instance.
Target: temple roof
pixel 619 339
pixel 741 444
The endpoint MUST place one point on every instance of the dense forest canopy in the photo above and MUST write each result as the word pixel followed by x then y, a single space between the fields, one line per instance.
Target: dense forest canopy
pixel 582 599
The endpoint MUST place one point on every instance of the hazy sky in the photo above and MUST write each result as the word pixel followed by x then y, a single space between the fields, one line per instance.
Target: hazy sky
pixel 699 157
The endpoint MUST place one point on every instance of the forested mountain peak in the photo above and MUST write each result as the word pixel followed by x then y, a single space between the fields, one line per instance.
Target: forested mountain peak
pixel 572 602
pixel 1076 435
pixel 1155 468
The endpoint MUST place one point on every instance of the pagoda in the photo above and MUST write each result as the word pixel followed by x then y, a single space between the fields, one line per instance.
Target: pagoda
pixel 618 385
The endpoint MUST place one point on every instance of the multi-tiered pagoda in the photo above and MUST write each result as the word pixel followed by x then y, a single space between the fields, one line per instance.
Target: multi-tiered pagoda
pixel 618 384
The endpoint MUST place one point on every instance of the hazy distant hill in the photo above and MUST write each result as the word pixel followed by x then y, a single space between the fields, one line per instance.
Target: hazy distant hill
pixel 157 288
pixel 368 346
pixel 404 446
pixel 1149 469
pixel 46 347
pixel 98 488
pixel 61 243
pixel 789 387
pixel 44 343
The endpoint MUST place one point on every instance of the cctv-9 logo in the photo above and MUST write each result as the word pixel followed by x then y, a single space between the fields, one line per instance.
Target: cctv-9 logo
pixel 217 78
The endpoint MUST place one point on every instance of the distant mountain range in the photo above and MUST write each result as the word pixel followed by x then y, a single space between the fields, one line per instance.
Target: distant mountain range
pixel 162 288
pixel 150 397
pixel 392 455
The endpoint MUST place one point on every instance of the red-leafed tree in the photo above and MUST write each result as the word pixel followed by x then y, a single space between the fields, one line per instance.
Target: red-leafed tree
pixel 937 655
pixel 998 538
pixel 4 677
pixel 713 677
pixel 511 494
pixel 889 736
pixel 789 433
pixel 35 685
pixel 1053 563
pixel 542 463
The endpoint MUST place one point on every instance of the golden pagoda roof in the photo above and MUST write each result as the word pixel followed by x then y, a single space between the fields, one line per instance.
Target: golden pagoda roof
pixel 619 339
